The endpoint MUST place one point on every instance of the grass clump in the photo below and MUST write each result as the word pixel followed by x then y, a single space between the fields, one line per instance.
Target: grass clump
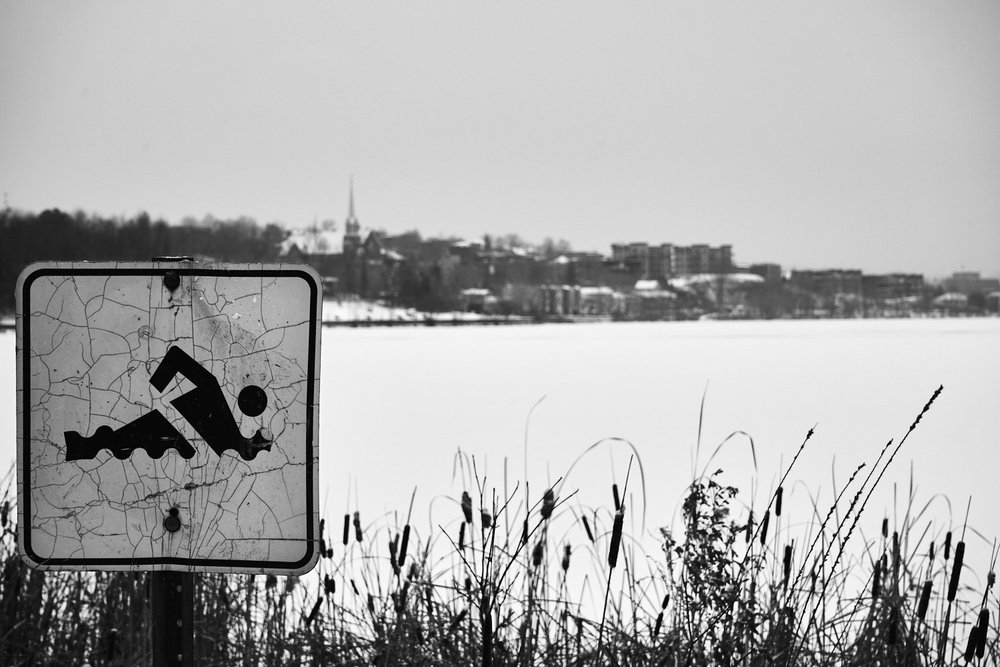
pixel 499 578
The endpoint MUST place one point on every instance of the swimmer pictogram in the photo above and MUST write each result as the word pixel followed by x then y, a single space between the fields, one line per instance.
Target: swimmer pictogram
pixel 204 407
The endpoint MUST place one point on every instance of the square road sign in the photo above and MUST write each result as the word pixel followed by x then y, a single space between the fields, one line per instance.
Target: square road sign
pixel 167 416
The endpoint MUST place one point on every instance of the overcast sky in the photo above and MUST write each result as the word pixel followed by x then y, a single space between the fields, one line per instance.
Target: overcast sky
pixel 850 134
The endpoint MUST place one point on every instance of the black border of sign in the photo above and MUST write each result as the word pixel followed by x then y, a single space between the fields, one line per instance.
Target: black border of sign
pixel 193 563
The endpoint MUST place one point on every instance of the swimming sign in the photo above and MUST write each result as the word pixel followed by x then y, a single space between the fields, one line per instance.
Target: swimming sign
pixel 168 416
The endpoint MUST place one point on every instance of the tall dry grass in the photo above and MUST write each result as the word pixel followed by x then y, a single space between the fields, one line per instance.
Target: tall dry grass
pixel 504 578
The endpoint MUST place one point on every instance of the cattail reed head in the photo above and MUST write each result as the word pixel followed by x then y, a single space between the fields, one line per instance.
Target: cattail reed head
pixel 329 585
pixel 970 647
pixel 467 506
pixel 885 527
pixel 763 527
pixel 930 554
pixel 354 587
pixel 877 579
pixel 404 544
pixel 659 624
pixel 947 546
pixel 616 538
pixel 461 536
pixel 984 629
pixel 777 500
pixel 486 518
pixel 617 498
pixel 956 570
pixel 524 532
pixel 749 529
pixel 357 527
pixel 925 598
pixel 786 564
pixel 393 546
pixel 536 553
pixel 586 527
pixel 347 528
pixel 548 503
pixel 565 559
pixel 991 579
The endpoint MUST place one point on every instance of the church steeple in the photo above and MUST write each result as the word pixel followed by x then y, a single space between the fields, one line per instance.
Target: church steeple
pixel 351 225
pixel 352 228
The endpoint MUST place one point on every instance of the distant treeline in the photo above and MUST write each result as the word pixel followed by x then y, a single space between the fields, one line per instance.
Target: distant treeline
pixel 56 235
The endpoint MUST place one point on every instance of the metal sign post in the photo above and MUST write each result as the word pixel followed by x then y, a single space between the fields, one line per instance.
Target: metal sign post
pixel 172 598
pixel 167 421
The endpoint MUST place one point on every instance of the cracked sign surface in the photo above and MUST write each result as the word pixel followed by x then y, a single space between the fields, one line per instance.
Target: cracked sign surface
pixel 168 416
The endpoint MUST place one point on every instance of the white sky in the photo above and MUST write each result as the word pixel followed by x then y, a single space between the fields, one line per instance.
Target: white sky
pixel 854 134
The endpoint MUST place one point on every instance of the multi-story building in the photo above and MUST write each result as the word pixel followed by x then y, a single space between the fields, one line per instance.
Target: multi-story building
pixel 828 282
pixel 970 282
pixel 651 262
pixel 883 287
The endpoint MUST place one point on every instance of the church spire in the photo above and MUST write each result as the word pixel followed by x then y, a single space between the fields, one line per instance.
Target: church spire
pixel 351 218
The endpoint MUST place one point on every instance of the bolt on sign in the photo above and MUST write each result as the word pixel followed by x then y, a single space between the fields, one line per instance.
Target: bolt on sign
pixel 167 416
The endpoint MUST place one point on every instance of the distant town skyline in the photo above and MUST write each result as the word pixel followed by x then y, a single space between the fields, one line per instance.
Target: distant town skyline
pixel 812 136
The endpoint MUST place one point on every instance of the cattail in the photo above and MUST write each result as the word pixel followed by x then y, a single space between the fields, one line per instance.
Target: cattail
pixel 403 544
pixel 586 527
pixel 925 598
pixel 930 555
pixel 322 547
pixel 877 579
pixel 548 504
pixel 947 545
pixel 486 518
pixel 895 556
pixel 524 532
pixel 616 538
pixel 357 526
pixel 393 545
pixel 467 506
pixel 659 623
pixel 315 611
pixel 777 500
pixel 4 512
pixel 614 493
pixel 991 579
pixel 457 620
pixel 885 527
pixel 329 585
pixel 536 554
pixel 354 587
pixel 970 647
pixel 347 528
pixel 984 629
pixel 763 527
pixel 565 558
pixel 329 552
pixel 461 537
pixel 371 604
pixel 956 570
pixel 749 529
pixel 787 563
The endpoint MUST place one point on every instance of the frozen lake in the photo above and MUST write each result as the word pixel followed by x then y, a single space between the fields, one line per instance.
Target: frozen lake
pixel 398 403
